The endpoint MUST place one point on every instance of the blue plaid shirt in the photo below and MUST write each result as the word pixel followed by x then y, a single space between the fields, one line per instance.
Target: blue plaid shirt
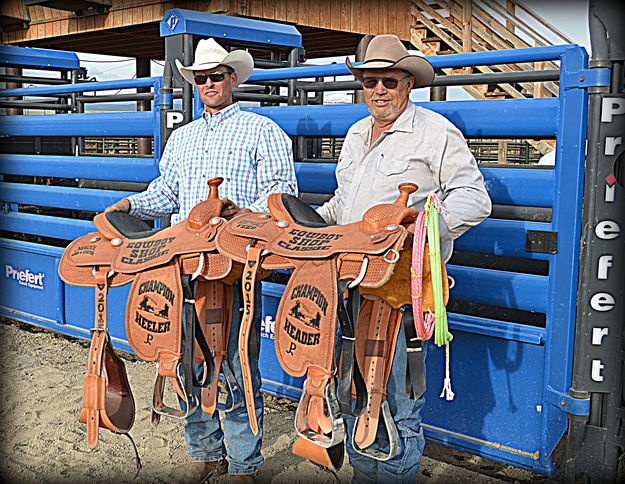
pixel 252 154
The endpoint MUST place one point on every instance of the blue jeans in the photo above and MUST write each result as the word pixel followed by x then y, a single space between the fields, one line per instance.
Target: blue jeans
pixel 404 467
pixel 204 434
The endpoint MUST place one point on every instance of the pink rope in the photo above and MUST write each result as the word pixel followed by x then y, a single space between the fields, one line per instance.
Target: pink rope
pixel 424 323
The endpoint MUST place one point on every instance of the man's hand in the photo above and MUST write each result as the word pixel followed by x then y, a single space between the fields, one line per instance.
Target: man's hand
pixel 122 206
pixel 230 209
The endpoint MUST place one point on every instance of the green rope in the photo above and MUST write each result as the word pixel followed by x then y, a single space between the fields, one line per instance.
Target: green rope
pixel 442 336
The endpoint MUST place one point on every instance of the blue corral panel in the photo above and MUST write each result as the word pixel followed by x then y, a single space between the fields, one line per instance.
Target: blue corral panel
pixel 530 187
pixel 498 407
pixel 80 315
pixel 45 225
pixel 90 167
pixel 90 199
pixel 501 237
pixel 30 284
pixel 275 380
pixel 91 124
pixel 29 57
pixel 179 21
pixel 521 118
pixel 500 288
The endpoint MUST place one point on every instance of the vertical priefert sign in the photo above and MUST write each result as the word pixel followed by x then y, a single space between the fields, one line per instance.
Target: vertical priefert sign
pixel 602 303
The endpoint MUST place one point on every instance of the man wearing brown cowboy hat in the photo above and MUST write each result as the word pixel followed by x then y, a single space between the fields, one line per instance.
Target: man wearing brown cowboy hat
pixel 254 156
pixel 399 143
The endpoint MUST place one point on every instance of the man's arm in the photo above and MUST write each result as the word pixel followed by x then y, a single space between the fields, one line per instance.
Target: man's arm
pixel 329 210
pixel 466 201
pixel 161 196
pixel 275 172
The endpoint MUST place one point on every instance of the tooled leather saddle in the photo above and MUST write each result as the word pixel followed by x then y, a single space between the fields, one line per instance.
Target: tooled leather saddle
pixel 332 266
pixel 173 270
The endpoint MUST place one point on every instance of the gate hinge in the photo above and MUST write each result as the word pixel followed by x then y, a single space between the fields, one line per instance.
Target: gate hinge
pixel 566 403
pixel 586 78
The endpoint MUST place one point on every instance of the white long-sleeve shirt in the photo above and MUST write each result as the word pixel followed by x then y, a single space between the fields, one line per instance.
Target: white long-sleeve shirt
pixel 421 147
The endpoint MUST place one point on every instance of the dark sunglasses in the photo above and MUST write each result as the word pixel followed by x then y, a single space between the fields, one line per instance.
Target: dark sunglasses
pixel 218 76
pixel 387 82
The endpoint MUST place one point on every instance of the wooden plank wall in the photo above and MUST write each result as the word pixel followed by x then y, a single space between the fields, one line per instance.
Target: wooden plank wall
pixel 357 16
pixel 14 10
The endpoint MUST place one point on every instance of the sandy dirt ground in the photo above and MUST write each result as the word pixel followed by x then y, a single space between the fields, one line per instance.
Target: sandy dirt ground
pixel 41 440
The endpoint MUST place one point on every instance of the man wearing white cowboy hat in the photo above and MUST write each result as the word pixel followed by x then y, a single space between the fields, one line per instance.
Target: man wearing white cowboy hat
pixel 254 156
pixel 399 143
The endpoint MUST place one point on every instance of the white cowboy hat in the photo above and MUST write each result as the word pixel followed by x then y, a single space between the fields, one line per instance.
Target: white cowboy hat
pixel 387 52
pixel 209 54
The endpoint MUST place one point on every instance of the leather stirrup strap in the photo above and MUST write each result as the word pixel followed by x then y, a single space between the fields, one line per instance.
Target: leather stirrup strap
pixel 347 310
pixel 250 272
pixel 213 302
pixel 376 338
pixel 194 339
pixel 94 387
pixel 107 398
pixel 415 368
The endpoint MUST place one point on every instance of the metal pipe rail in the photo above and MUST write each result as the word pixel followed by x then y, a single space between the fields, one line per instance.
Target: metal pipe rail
pixel 82 87
pixel 33 80
pixel 509 56
pixel 35 105
pixel 448 80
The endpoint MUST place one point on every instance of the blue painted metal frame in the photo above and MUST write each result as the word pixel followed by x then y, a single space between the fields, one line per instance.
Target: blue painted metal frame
pixel 180 21
pixel 30 57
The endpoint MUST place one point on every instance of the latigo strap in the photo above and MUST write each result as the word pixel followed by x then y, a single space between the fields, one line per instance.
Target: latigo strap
pixel 376 337
pixel 213 303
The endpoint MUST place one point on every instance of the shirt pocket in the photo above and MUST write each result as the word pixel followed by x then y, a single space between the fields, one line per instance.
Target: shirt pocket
pixel 392 166
pixel 345 171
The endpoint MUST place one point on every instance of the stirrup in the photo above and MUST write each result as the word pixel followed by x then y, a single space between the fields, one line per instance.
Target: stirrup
pixel 393 438
pixel 159 408
pixel 338 426
pixel 231 390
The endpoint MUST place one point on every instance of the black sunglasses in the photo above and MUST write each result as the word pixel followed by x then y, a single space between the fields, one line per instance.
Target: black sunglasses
pixel 387 82
pixel 218 76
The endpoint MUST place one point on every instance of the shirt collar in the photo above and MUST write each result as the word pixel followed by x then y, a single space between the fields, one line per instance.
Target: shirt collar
pixel 223 114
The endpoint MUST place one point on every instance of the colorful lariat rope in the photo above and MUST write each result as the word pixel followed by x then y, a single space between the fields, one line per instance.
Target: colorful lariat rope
pixel 428 323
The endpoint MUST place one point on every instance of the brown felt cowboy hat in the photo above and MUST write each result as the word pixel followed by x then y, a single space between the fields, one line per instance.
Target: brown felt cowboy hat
pixel 209 54
pixel 387 52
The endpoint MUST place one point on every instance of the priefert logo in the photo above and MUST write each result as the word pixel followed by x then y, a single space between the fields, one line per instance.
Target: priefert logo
pixel 24 277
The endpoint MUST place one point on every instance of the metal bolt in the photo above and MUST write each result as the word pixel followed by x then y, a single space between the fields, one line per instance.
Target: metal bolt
pixel 94 239
pixel 563 403
pixel 116 241
pixel 391 227
pixel 214 220
pixel 282 223
pixel 582 78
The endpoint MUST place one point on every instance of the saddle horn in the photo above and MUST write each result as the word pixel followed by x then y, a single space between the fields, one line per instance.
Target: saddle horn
pixel 405 189
pixel 213 188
